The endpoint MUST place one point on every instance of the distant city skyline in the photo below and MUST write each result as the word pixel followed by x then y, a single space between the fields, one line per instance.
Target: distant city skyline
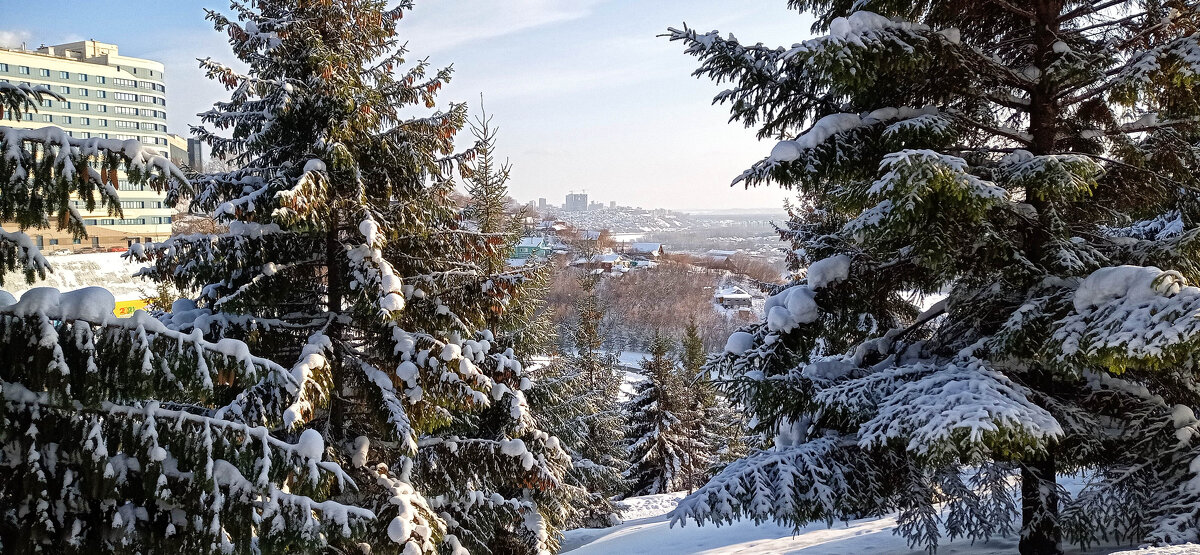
pixel 585 94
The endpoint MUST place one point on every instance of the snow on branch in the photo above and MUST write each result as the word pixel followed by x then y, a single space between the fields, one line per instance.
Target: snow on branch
pixel 303 201
pixel 866 30
pixel 954 409
pixel 798 484
pixel 914 178
pixel 17 98
pixel 311 381
pixel 1130 316
pixel 370 270
pixel 69 153
pixel 161 348
pixel 17 251
pixel 396 413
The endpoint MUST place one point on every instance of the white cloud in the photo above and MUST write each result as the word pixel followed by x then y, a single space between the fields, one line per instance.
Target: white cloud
pixel 14 38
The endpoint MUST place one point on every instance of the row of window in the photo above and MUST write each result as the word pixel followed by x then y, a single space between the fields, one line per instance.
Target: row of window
pixel 83 77
pixel 86 107
pixel 128 204
pixel 88 135
pixel 41 241
pixel 127 186
pixel 97 93
pixel 95 240
pixel 99 122
pixel 64 89
pixel 128 221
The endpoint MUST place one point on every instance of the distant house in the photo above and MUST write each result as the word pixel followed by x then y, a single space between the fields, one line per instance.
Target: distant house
pixel 651 250
pixel 717 259
pixel 733 297
pixel 644 255
pixel 603 262
pixel 714 253
pixel 531 247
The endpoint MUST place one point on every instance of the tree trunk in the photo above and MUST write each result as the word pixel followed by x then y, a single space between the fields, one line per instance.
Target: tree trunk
pixel 1040 531
pixel 333 284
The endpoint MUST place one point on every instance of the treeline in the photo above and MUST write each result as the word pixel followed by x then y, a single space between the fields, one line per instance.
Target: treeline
pixel 640 303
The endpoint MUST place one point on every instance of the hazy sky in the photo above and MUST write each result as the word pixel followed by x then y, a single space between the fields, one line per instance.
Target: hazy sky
pixel 585 95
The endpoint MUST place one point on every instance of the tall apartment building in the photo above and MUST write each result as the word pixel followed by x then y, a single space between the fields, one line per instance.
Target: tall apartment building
pixel 576 202
pixel 105 95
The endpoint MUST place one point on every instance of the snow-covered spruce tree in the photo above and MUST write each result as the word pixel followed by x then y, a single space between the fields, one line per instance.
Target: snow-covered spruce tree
pixel 708 418
pixel 1037 163
pixel 521 324
pixel 104 446
pixel 662 451
pixel 346 262
pixel 596 438
pixel 559 400
pixel 522 330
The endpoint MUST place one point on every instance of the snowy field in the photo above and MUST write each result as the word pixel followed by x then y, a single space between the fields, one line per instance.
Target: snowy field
pixel 73 271
pixel 647 530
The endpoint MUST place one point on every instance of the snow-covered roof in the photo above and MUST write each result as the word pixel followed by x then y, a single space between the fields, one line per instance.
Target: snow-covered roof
pixel 532 242
pixel 607 258
pixel 732 293
pixel 718 253
pixel 648 248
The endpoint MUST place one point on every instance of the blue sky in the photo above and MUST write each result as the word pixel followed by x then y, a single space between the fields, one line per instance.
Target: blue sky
pixel 585 95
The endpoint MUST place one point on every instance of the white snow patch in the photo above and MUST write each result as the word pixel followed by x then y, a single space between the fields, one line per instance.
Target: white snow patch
pixel 828 271
pixel 647 530
pixel 1127 283
pixel 739 342
pixel 311 445
pixel 95 304
pixel 790 308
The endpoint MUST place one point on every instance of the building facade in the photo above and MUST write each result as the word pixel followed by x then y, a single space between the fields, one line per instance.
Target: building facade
pixel 576 202
pixel 105 95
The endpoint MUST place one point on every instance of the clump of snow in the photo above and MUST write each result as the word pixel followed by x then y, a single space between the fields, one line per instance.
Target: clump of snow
pixel 828 271
pixel 963 396
pixel 370 230
pixel 95 304
pixel 513 447
pixel 739 342
pixel 310 445
pixel 399 529
pixel 314 165
pixel 42 300
pixel 1126 283
pixel 361 446
pixel 7 298
pixel 952 35
pixel 790 308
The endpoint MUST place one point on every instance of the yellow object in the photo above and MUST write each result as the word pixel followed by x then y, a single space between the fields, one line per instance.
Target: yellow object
pixel 127 308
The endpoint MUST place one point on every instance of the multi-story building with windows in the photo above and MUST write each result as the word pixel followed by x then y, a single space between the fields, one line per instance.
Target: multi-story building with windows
pixel 104 95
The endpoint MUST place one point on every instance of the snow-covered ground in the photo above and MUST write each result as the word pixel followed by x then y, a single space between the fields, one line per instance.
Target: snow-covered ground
pixel 647 530
pixel 74 271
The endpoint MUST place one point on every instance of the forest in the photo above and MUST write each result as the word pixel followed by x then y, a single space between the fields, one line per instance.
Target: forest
pixel 987 327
